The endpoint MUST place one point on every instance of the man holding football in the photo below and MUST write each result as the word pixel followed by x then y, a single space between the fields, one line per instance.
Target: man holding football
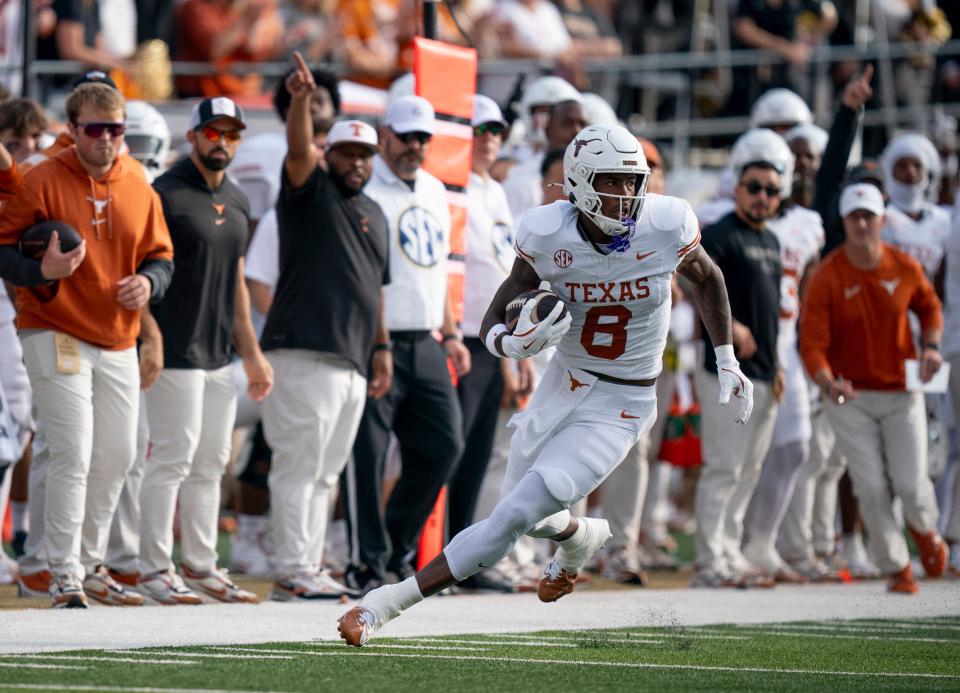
pixel 610 253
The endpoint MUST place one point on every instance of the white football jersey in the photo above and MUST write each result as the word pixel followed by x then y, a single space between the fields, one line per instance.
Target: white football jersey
pixel 256 170
pixel 924 240
pixel 951 318
pixel 523 186
pixel 419 227
pixel 489 249
pixel 620 303
pixel 801 236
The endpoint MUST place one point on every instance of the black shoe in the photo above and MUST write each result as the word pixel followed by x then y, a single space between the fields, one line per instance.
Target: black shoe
pixel 18 542
pixel 481 582
pixel 361 579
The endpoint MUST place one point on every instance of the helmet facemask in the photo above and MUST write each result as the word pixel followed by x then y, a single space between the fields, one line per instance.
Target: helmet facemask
pixel 631 206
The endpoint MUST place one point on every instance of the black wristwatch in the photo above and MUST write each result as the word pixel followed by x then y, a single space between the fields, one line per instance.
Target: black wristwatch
pixel 449 336
pixel 932 345
pixel 383 346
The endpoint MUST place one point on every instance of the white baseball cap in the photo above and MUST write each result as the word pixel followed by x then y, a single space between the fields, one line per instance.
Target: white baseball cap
pixel 409 114
pixel 352 131
pixel 861 196
pixel 485 110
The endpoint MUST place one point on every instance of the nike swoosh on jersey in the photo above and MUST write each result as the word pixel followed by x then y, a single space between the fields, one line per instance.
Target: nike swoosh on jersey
pixel 625 415
pixel 850 292
pixel 645 255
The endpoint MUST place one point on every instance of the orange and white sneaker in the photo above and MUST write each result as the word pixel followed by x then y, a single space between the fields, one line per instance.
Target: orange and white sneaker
pixel 561 574
pixel 127 580
pixel 103 588
pixel 216 585
pixel 933 552
pixel 953 570
pixel 34 584
pixel 167 588
pixel 66 592
pixel 903 582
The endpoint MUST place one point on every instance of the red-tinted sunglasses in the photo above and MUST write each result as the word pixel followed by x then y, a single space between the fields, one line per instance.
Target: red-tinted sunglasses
pixel 96 130
pixel 214 135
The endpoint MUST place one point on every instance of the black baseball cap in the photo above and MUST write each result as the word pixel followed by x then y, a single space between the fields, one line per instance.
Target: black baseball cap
pixel 867 171
pixel 215 108
pixel 94 77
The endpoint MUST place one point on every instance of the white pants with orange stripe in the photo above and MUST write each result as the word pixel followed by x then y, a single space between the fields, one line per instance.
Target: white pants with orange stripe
pixel 90 447
pixel 884 438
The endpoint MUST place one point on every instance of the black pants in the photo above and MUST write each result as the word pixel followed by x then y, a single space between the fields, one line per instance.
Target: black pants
pixel 421 408
pixel 480 393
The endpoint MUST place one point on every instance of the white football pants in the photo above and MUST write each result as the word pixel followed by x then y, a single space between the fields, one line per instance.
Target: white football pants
pixel 190 413
pixel 90 423
pixel 123 544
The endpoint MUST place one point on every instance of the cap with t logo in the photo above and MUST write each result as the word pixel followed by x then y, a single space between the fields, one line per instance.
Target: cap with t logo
pixel 352 132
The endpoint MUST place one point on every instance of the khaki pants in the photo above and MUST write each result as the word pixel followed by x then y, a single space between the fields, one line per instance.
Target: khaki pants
pixel 90 423
pixel 310 421
pixel 884 438
pixel 190 413
pixel 732 458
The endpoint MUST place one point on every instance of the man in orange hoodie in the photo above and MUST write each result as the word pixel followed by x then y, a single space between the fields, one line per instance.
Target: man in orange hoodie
pixel 79 347
pixel 854 340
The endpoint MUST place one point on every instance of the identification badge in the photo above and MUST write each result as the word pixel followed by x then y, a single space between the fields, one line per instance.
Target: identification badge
pixel 68 353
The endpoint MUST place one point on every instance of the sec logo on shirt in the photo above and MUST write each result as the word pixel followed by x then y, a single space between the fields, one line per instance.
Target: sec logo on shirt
pixel 503 245
pixel 421 237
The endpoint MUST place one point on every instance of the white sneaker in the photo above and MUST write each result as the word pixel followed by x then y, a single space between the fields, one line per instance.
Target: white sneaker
pixel 103 588
pixel 9 570
pixel 216 585
pixel 622 564
pixel 167 588
pixel 855 556
pixel 309 586
pixel 66 592
pixel 248 556
pixel 765 558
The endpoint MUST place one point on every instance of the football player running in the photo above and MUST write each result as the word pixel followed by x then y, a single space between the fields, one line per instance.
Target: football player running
pixel 610 253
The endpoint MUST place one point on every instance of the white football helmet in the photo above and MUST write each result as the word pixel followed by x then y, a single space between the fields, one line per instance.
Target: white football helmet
pixel 147 137
pixel 815 135
pixel 545 91
pixel 764 146
pixel 598 111
pixel 605 149
pixel 781 108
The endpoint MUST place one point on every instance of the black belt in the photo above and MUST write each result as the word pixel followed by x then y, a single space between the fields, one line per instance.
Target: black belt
pixel 410 335
pixel 647 382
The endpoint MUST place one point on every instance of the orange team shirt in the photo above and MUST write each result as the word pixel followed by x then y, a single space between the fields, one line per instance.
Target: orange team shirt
pixel 10 183
pixel 121 219
pixel 854 322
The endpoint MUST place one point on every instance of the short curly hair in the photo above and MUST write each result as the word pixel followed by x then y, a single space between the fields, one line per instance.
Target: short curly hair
pixel 23 116
pixel 323 78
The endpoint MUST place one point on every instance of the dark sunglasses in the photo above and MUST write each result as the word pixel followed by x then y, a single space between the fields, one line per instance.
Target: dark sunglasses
pixel 484 128
pixel 753 187
pixel 96 130
pixel 408 137
pixel 214 135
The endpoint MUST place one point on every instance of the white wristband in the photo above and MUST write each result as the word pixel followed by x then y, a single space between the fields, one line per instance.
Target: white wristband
pixel 491 340
pixel 724 353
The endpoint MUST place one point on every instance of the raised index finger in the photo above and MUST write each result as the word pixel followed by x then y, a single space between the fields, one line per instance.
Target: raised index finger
pixel 867 73
pixel 301 63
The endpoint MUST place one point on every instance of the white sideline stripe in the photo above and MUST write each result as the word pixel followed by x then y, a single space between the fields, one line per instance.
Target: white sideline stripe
pixel 409 647
pixel 906 625
pixel 98 687
pixel 88 658
pixel 29 665
pixel 848 629
pixel 628 637
pixel 537 643
pixel 628 665
pixel 845 636
pixel 169 653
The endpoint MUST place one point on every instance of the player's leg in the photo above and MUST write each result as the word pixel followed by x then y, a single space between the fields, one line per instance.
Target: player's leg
pixel 123 545
pixel 35 576
pixel 116 396
pixel 904 431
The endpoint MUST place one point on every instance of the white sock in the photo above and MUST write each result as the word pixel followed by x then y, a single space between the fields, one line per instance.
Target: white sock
pixel 388 601
pixel 18 513
pixel 250 526
pixel 570 545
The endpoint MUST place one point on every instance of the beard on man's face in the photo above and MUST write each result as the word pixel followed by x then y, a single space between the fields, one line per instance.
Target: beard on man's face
pixel 215 163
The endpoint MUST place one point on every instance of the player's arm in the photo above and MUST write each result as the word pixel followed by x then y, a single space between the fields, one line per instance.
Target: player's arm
pixel 301 159
pixel 255 365
pixel 709 294
pixel 522 278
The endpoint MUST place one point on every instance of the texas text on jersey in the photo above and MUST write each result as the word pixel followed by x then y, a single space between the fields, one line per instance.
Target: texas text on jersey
pixel 619 302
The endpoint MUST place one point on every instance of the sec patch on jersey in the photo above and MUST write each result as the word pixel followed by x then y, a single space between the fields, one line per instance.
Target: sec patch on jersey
pixel 544 303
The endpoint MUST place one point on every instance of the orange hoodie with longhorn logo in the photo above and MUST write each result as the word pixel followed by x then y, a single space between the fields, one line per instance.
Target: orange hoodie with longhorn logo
pixel 121 219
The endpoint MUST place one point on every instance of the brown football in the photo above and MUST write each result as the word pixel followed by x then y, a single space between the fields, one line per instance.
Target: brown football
pixel 545 302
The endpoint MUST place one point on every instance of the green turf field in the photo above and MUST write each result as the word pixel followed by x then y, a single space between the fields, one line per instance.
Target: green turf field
pixel 917 655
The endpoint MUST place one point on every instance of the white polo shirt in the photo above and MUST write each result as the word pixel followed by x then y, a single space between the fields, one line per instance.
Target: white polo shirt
pixel 419 222
pixel 256 170
pixel 490 253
